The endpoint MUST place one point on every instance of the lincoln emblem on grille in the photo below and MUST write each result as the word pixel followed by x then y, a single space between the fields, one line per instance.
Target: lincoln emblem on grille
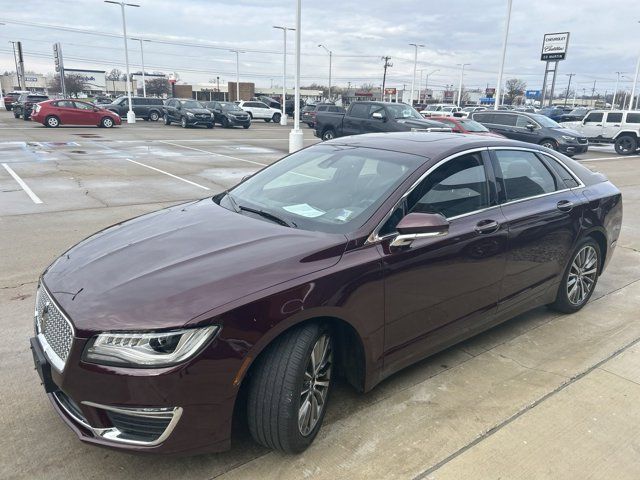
pixel 44 317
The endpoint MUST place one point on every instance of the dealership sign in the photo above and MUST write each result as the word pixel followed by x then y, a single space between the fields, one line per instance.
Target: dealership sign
pixel 554 46
pixel 93 79
pixel 390 91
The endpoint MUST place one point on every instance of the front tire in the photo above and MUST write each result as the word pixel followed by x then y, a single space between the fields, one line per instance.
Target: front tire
pixel 626 145
pixel 580 277
pixel 290 387
pixel 183 122
pixel 225 122
pixel 106 122
pixel 548 143
pixel 166 120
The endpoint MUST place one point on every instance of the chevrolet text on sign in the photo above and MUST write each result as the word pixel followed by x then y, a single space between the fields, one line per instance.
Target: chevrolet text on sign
pixel 554 46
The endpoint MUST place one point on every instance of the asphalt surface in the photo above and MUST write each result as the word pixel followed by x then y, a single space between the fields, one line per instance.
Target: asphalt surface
pixel 542 396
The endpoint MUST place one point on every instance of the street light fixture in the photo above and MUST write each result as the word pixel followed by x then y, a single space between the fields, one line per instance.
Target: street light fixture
pixel 460 85
pixel 131 117
pixel 237 52
pixel 504 52
pixel 426 83
pixel 615 92
pixel 144 84
pixel 415 66
pixel 330 61
pixel 283 117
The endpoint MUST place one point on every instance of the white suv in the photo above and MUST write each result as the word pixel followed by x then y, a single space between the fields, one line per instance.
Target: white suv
pixel 259 110
pixel 440 110
pixel 620 127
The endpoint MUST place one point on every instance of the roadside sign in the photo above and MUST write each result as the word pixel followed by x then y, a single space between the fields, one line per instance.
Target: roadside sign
pixel 554 46
pixel 532 93
pixel 390 91
pixel 490 91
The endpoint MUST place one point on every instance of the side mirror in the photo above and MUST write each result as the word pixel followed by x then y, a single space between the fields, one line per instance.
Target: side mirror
pixel 377 116
pixel 419 225
pixel 531 127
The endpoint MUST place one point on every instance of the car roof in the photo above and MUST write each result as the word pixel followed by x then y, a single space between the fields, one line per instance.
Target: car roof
pixel 433 145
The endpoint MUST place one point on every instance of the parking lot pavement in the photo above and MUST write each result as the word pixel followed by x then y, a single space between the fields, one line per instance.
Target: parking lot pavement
pixel 542 396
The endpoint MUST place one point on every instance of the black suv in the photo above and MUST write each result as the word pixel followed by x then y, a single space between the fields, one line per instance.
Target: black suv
pixel 147 108
pixel 533 128
pixel 187 112
pixel 228 114
pixel 23 106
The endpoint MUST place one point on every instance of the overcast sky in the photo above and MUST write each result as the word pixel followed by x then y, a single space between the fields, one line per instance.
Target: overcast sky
pixel 605 38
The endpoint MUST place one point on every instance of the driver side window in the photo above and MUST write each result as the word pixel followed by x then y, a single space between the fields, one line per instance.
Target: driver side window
pixel 455 188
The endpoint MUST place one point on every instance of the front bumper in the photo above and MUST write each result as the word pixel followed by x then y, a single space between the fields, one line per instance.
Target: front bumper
pixel 239 122
pixel 199 121
pixel 573 148
pixel 182 409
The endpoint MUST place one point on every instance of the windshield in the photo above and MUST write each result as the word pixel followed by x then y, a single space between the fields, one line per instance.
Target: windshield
pixel 545 121
pixel 579 111
pixel 400 110
pixel 469 109
pixel 473 126
pixel 433 108
pixel 327 188
pixel 230 106
pixel 191 104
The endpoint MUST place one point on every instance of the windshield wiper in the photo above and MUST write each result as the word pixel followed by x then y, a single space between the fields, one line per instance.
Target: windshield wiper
pixel 270 216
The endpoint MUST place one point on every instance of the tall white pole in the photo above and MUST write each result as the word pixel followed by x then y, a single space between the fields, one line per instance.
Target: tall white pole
pixel 502 57
pixel 144 83
pixel 296 137
pixel 131 117
pixel 330 65
pixel 615 92
pixel 415 67
pixel 460 85
pixel 283 117
pixel 633 88
pixel 237 75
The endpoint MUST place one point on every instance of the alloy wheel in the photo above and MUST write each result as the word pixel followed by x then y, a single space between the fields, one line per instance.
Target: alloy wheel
pixel 107 122
pixel 315 385
pixel 626 145
pixel 582 275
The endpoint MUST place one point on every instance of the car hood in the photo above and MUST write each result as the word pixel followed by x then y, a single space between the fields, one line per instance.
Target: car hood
pixel 197 110
pixel 165 268
pixel 568 131
pixel 570 125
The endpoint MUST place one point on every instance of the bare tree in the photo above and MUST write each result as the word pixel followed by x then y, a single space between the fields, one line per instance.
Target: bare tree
pixel 158 86
pixel 74 84
pixel 114 74
pixel 514 87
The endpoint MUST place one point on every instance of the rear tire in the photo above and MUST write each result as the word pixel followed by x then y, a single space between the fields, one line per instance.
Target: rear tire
pixel 328 134
pixel 276 118
pixel 209 125
pixel 154 116
pixel 16 114
pixel 580 277
pixel 626 145
pixel 52 121
pixel 290 387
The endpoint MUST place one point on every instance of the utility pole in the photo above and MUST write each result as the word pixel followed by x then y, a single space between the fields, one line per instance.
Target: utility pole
pixel 387 64
pixel 566 94
pixel 330 62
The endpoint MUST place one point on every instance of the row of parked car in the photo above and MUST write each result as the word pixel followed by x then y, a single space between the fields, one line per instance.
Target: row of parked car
pixel 183 111
pixel 617 127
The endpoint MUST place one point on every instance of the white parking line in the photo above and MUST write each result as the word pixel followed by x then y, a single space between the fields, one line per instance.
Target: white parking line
pixel 167 173
pixel 24 186
pixel 213 153
pixel 609 158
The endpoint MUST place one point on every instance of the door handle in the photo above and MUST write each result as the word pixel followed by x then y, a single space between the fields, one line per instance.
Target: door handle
pixel 565 205
pixel 487 226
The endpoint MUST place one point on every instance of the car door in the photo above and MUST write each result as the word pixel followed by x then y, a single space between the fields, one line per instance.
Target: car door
pixel 172 110
pixel 377 120
pixel 67 112
pixel 352 124
pixel 87 114
pixel 261 110
pixel 441 287
pixel 543 218
pixel 592 125
pixel 525 129
pixel 611 124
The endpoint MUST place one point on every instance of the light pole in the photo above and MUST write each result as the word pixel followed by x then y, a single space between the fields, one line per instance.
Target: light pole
pixel 131 117
pixel 296 137
pixel 283 117
pixel 615 92
pixel 237 52
pixel 633 88
pixel 330 61
pixel 426 83
pixel 566 94
pixel 2 105
pixel 460 85
pixel 415 66
pixel 144 84
pixel 504 52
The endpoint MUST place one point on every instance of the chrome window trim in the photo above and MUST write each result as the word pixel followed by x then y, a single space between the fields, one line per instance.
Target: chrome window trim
pixel 51 355
pixel 374 237
pixel 113 434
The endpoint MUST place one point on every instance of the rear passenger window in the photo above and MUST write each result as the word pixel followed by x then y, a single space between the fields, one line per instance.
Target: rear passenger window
pixel 483 117
pixel 562 172
pixel 507 120
pixel 633 117
pixel 614 117
pixel 593 117
pixel 523 175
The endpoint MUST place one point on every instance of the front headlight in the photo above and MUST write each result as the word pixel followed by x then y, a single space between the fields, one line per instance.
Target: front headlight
pixel 568 138
pixel 147 349
pixel 189 114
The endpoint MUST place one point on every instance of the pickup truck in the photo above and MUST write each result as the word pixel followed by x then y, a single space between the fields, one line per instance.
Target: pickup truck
pixel 374 117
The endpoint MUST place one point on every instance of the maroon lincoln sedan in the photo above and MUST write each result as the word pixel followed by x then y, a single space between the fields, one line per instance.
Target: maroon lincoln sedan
pixel 355 258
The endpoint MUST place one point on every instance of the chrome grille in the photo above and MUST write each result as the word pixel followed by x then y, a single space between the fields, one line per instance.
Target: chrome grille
pixel 52 326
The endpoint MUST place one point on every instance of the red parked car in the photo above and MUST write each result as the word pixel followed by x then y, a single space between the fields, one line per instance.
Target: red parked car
pixel 464 125
pixel 54 113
